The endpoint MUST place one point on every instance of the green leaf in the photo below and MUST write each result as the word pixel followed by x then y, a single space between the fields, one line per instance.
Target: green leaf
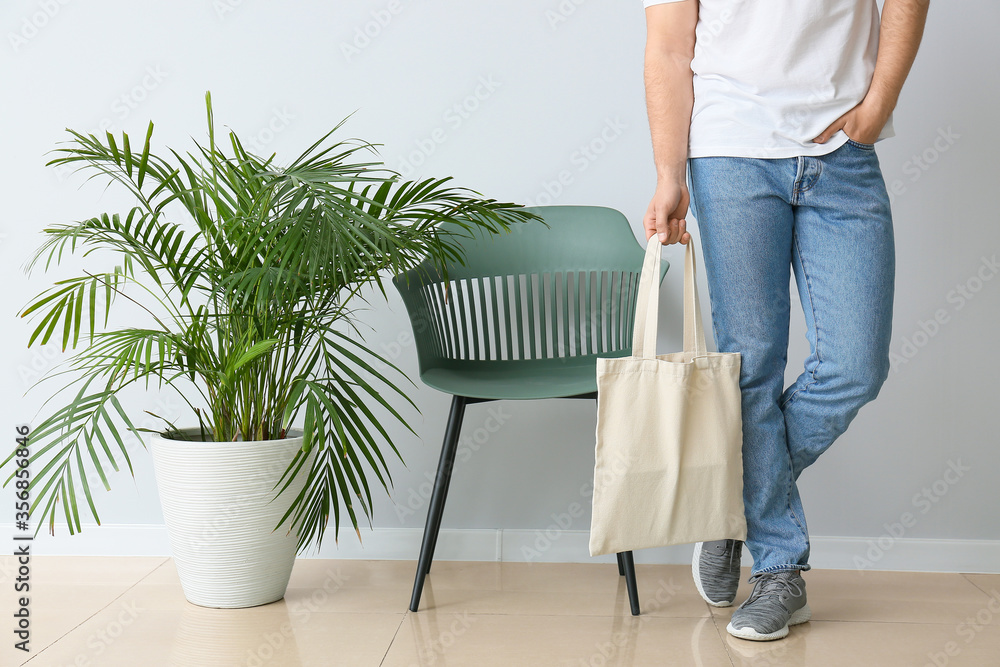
pixel 144 160
pixel 253 352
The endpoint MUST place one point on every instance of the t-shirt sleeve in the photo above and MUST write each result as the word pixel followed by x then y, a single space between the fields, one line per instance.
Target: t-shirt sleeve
pixel 650 3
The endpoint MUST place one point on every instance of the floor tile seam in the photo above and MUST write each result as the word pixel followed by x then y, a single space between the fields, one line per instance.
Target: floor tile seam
pixel 568 615
pixel 165 560
pixel 943 624
pixel 978 587
pixel 248 611
pixel 393 640
pixel 718 631
pixel 68 632
pixel 89 618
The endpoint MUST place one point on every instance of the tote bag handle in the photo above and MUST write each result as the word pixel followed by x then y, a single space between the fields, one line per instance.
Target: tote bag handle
pixel 647 304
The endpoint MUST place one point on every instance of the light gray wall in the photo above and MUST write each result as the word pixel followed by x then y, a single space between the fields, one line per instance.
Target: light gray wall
pixel 551 77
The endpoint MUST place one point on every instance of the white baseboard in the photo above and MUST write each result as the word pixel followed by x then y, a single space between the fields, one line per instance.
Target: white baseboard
pixel 545 546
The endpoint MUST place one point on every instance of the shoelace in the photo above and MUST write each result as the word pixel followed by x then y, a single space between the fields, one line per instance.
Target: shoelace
pixel 772 583
pixel 734 553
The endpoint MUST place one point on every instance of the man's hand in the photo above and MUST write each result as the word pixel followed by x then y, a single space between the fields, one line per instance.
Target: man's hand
pixel 863 124
pixel 666 212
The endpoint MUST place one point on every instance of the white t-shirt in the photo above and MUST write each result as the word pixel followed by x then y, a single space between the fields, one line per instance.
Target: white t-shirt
pixel 770 75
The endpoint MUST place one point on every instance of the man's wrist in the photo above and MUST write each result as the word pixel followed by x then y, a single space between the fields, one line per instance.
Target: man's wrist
pixel 878 104
pixel 671 173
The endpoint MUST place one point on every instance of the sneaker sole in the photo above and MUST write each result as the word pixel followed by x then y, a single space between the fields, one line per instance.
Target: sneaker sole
pixel 696 573
pixel 798 616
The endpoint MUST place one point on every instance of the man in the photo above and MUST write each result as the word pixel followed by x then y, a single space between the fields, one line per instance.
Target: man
pixel 772 109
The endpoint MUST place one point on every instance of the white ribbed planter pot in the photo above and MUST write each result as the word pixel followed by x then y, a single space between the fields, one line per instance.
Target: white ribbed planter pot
pixel 220 509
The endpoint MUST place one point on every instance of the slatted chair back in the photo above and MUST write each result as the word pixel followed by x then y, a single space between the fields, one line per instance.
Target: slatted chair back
pixel 536 297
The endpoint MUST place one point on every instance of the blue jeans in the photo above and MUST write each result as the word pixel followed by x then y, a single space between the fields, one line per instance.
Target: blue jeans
pixel 827 220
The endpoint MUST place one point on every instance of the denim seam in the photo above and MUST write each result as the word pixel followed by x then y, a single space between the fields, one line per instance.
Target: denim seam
pixel 800 169
pixel 812 307
pixel 791 476
pixel 791 470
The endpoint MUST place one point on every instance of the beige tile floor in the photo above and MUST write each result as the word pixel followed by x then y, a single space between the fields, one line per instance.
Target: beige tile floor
pixel 106 612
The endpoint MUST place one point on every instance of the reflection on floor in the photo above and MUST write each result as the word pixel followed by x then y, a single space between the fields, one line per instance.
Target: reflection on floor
pixel 106 612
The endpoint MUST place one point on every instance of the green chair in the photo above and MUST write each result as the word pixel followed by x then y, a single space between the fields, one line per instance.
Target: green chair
pixel 525 317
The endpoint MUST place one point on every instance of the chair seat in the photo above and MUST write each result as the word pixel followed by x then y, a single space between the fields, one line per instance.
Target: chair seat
pixel 525 379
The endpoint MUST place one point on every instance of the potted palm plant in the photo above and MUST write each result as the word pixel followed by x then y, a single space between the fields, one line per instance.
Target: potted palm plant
pixel 246 274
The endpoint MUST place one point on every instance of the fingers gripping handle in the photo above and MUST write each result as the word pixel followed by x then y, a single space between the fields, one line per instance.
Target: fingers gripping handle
pixel 647 304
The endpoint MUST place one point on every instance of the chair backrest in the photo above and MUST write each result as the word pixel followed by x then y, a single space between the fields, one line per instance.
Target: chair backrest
pixel 542 292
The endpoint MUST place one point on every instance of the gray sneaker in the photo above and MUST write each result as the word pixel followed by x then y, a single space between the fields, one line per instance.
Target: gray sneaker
pixel 777 601
pixel 716 570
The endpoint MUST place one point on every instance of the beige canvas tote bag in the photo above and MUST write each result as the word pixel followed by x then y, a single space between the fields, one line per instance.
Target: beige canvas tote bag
pixel 669 466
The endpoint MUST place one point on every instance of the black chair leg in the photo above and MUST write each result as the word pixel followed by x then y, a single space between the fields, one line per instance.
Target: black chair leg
pixel 633 593
pixel 626 568
pixel 438 496
pixel 447 485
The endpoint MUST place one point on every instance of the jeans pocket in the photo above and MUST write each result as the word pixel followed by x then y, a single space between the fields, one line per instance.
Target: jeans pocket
pixel 858 144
